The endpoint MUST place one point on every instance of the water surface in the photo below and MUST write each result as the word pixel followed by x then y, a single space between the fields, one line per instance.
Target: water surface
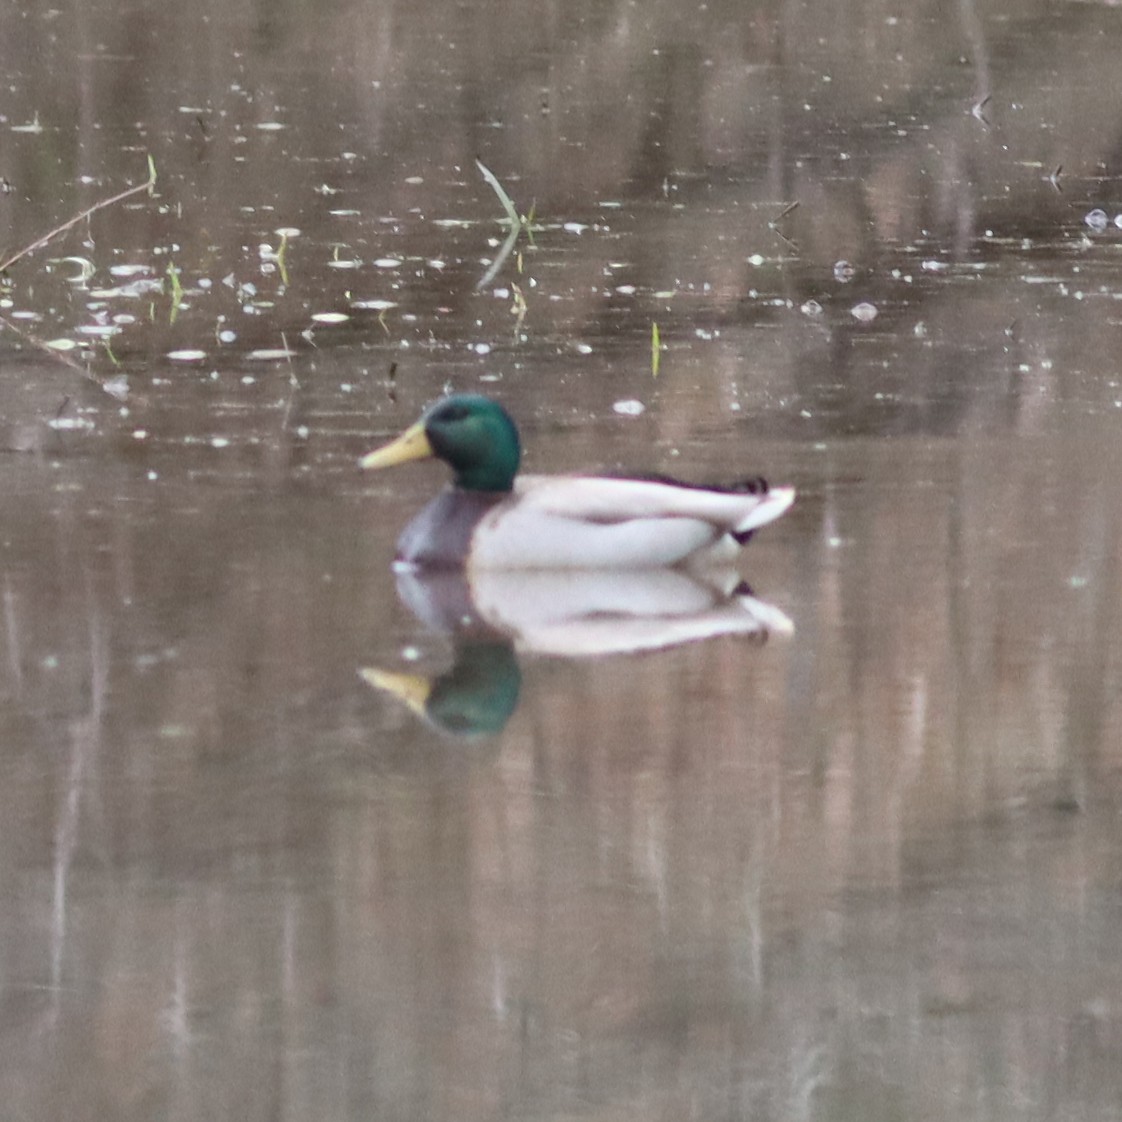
pixel 867 868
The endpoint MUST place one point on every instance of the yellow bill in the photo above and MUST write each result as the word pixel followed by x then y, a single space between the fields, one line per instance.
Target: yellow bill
pixel 412 444
pixel 413 689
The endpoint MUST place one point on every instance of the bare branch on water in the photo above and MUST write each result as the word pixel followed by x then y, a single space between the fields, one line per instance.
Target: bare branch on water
pixel 147 185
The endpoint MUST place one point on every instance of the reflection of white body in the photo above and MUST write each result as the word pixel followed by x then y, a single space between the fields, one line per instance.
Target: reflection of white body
pixel 584 613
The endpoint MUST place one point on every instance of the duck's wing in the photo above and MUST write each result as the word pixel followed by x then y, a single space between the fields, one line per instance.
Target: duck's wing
pixel 602 499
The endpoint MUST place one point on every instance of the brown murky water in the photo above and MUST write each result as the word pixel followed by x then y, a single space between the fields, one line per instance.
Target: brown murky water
pixel 866 869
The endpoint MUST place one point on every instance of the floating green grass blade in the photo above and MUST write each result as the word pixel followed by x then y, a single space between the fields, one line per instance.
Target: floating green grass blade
pixel 497 187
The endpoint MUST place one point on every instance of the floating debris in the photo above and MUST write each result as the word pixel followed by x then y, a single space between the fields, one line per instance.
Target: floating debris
pixel 629 407
pixel 330 317
pixel 186 356
pixel 864 312
pixel 843 272
pixel 1097 219
pixel 33 126
pixel 270 354
pixel 85 269
pixel 373 305
pixel 70 424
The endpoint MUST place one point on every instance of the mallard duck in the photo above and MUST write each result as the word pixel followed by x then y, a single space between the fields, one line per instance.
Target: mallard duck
pixel 493 518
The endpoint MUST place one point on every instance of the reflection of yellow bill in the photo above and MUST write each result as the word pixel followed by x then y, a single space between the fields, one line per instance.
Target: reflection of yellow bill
pixel 412 444
pixel 413 689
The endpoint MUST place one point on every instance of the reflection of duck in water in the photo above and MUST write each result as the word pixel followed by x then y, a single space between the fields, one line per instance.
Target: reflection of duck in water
pixel 489 519
pixel 568 613
pixel 475 698
pixel 579 614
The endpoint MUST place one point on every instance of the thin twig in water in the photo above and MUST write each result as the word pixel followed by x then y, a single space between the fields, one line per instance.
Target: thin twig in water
pixel 293 386
pixel 497 187
pixel 110 386
pixel 977 111
pixel 517 225
pixel 147 185
pixel 773 225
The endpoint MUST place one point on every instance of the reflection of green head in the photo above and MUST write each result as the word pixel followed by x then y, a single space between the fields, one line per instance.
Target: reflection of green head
pixel 478 695
pixel 476 437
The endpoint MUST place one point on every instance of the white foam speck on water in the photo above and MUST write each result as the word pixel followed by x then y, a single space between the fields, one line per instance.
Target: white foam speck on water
pixel 186 356
pixel 1096 219
pixel 64 424
pixel 629 407
pixel 269 354
pixel 864 312
pixel 330 317
pixel 388 263
pixel 373 305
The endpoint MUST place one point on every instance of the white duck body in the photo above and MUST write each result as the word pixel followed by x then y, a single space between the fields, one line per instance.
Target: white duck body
pixel 589 522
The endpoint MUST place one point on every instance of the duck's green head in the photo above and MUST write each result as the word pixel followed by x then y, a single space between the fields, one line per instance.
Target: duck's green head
pixel 471 433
